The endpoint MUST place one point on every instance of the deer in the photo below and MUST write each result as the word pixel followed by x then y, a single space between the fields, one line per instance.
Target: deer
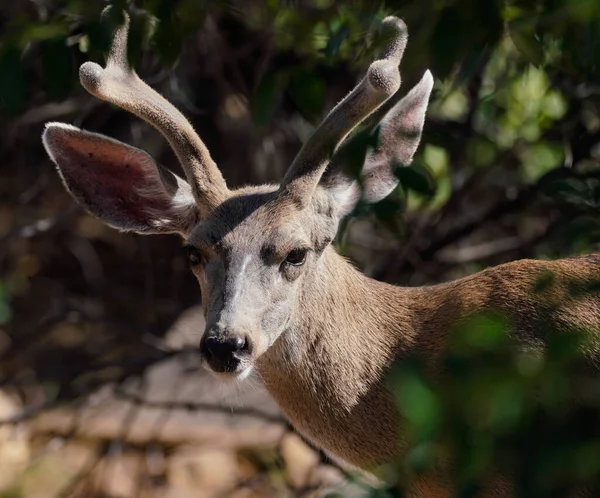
pixel 277 297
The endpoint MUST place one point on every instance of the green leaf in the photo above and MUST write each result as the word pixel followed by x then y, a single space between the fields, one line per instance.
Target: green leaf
pixel 267 98
pixel 447 40
pixel 13 84
pixel 482 331
pixel 524 39
pixel 556 188
pixel 140 28
pixel 417 178
pixel 191 15
pixel 168 40
pixel 580 228
pixel 336 39
pixel 5 312
pixel 34 31
pixel 544 282
pixel 353 152
pixel 58 69
pixel 99 38
pixel 418 403
pixel 308 90
pixel 596 193
pixel 389 211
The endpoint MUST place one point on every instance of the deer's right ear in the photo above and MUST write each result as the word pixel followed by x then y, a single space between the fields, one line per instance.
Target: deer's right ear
pixel 399 137
pixel 120 184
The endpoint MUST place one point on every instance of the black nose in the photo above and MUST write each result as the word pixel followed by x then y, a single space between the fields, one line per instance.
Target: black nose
pixel 223 354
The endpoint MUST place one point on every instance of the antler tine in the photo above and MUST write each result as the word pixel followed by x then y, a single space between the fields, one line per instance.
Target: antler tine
pixel 379 84
pixel 119 84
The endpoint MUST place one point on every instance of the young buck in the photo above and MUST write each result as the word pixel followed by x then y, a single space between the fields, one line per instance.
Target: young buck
pixel 276 295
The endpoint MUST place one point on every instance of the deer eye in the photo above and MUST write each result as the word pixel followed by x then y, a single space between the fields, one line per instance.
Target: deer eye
pixel 193 254
pixel 296 257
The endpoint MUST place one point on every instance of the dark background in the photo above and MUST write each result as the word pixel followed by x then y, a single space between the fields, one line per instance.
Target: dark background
pixel 507 169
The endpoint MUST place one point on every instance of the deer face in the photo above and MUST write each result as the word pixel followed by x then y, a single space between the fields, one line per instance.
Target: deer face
pixel 251 249
pixel 250 257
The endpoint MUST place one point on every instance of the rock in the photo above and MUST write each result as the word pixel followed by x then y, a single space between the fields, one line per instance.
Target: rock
pixel 201 473
pixel 300 460
pixel 14 444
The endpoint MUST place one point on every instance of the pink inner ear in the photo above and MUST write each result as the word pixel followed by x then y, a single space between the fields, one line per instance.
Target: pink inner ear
pixel 112 180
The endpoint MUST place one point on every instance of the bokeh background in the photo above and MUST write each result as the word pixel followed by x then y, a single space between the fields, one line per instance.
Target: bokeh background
pixel 100 391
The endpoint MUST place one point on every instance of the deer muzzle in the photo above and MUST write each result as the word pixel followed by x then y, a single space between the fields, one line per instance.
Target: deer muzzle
pixel 226 351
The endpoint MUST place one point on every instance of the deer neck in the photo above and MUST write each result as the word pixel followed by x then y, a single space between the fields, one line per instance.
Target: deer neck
pixel 330 362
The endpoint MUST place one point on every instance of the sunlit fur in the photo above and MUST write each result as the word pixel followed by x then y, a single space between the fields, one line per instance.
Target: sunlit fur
pixel 322 335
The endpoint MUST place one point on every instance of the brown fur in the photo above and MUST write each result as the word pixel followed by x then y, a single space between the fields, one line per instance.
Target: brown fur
pixel 331 384
pixel 354 328
pixel 322 335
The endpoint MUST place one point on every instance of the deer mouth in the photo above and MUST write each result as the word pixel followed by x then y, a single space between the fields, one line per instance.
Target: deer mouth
pixel 239 374
pixel 235 366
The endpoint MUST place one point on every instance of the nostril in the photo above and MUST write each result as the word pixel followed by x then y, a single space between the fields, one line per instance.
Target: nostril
pixel 224 353
pixel 222 347
pixel 206 349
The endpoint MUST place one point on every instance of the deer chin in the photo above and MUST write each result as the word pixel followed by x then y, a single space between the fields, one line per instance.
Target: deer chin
pixel 241 373
pixel 244 374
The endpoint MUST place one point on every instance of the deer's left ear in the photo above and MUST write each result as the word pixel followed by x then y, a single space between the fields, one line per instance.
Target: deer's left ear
pixel 120 184
pixel 399 137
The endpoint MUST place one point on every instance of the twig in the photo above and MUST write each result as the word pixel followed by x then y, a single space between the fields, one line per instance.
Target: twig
pixel 481 251
pixel 71 487
pixel 198 406
pixel 524 195
pixel 28 412
pixel 50 112
pixel 136 368
pixel 42 226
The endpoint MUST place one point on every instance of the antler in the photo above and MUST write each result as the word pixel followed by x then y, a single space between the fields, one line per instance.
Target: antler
pixel 119 84
pixel 379 84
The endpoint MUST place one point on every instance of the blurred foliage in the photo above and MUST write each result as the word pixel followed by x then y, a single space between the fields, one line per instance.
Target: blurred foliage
pixel 529 416
pixel 509 168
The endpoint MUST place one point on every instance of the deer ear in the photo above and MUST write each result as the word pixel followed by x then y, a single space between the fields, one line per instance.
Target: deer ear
pixel 121 185
pixel 399 137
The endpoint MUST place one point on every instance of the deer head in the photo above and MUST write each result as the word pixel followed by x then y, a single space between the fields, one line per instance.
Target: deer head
pixel 252 248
